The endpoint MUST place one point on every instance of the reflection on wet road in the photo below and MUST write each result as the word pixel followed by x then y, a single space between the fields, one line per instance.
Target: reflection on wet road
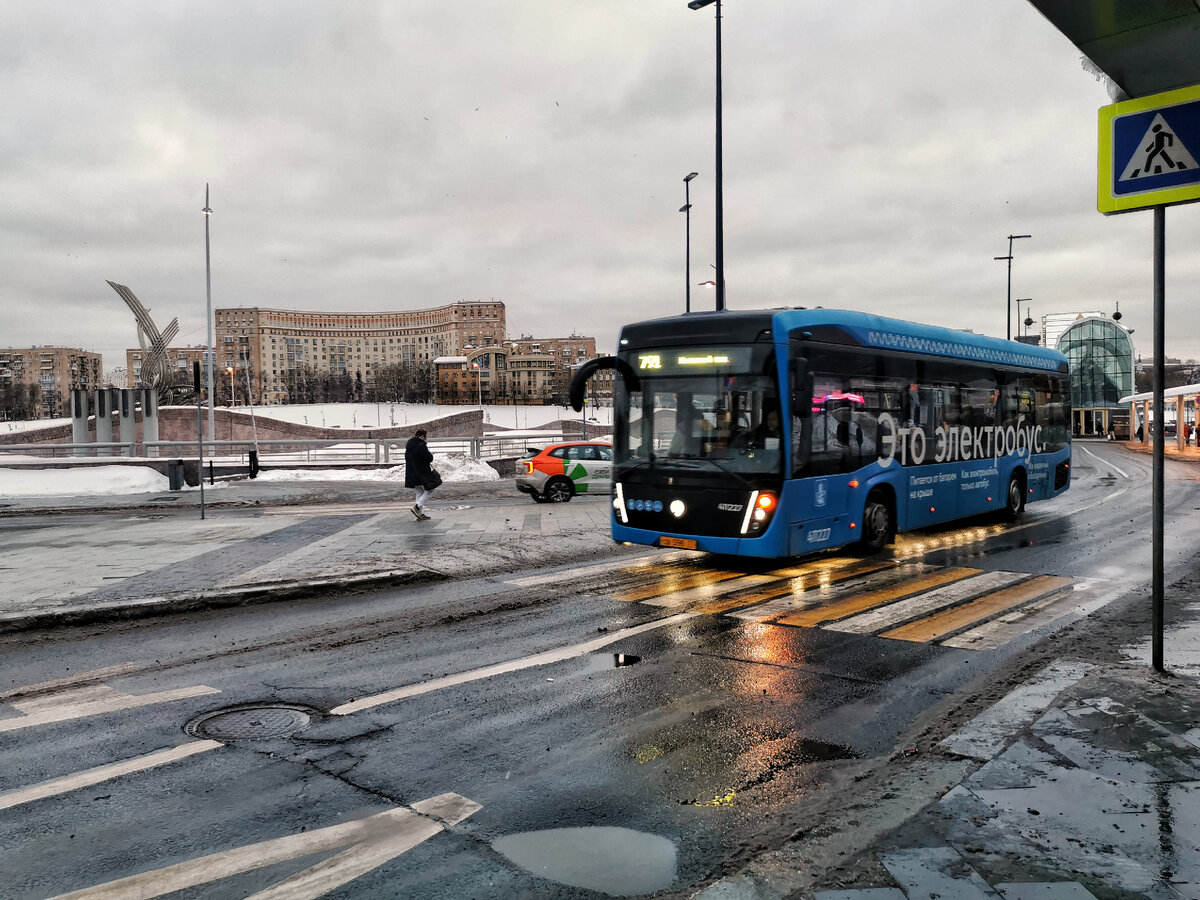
pixel 958 606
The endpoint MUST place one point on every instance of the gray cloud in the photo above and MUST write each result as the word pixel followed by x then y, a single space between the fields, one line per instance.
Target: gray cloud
pixel 369 155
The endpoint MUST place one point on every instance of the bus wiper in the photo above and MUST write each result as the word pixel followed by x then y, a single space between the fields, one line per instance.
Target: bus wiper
pixel 724 468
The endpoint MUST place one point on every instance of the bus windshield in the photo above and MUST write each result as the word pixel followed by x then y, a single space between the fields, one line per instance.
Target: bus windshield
pixel 713 416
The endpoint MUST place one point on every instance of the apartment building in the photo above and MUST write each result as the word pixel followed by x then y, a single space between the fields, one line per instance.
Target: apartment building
pixel 182 359
pixel 272 342
pixel 56 370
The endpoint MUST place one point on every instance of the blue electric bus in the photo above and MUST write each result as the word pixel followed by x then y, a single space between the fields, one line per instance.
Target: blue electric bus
pixel 778 433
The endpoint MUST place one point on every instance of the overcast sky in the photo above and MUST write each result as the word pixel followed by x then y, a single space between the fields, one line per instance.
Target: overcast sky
pixel 368 156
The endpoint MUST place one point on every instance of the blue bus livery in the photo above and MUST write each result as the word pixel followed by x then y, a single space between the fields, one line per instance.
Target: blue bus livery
pixel 778 433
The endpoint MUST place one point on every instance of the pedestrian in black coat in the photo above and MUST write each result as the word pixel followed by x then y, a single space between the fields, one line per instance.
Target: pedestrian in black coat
pixel 419 472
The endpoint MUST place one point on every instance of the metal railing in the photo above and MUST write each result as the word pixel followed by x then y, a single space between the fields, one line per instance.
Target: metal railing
pixel 292 451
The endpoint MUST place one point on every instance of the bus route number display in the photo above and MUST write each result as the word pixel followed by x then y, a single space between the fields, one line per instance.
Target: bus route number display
pixel 697 361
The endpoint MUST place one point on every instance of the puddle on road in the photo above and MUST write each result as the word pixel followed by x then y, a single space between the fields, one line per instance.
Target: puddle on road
pixel 602 662
pixel 619 862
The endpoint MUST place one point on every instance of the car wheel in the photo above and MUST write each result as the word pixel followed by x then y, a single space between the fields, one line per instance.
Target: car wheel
pixel 559 490
pixel 1014 502
pixel 876 523
pixel 539 498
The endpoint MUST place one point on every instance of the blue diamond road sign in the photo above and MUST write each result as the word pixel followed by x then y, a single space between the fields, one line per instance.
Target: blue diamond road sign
pixel 1148 151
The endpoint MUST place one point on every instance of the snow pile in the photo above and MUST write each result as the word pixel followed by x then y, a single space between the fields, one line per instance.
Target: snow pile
pixel 86 481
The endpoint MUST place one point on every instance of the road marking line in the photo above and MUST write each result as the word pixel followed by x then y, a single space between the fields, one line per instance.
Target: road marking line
pixel 587 571
pixel 789 595
pixel 948 621
pixel 99 774
pixel 90 701
pixel 541 659
pixel 674 583
pixel 1105 461
pixel 855 603
pixel 369 843
pixel 709 591
pixel 1085 596
pixel 824 595
pixel 81 678
pixel 929 601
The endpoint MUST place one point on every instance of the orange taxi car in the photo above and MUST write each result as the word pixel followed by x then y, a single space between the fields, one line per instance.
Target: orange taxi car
pixel 560 471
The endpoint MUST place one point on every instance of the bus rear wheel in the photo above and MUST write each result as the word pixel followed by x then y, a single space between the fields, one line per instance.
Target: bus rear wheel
pixel 1014 503
pixel 876 523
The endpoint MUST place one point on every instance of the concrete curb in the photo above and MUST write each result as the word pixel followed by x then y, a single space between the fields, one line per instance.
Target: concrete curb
pixel 223 598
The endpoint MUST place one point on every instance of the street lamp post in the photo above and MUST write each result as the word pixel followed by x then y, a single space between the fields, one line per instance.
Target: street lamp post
pixel 1026 321
pixel 478 384
pixel 212 416
pixel 687 255
pixel 720 203
pixel 1008 309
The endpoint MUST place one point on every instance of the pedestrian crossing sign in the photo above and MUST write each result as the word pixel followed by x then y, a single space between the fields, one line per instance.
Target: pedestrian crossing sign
pixel 1148 150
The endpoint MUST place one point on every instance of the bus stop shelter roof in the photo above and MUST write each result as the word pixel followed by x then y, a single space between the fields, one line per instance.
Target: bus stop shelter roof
pixel 1187 390
pixel 1144 46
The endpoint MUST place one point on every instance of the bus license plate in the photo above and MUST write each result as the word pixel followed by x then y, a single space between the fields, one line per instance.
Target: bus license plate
pixel 680 543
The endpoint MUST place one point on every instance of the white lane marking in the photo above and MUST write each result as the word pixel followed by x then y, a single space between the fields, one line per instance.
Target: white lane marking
pixel 596 569
pixel 90 701
pixel 709 591
pixel 89 777
pixel 1105 461
pixel 541 659
pixel 923 604
pixel 369 843
pixel 80 678
pixel 986 734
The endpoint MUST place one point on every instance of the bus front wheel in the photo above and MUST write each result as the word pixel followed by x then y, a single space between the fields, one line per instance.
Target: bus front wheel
pixel 1014 503
pixel 877 522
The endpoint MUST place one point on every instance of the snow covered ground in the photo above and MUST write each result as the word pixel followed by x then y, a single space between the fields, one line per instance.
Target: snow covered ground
pixel 384 415
pixel 63 480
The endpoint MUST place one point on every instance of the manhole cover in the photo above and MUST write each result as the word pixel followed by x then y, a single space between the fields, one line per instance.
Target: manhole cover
pixel 251 723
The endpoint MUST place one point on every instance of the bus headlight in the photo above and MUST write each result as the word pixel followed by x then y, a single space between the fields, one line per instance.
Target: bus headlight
pixel 618 502
pixel 758 512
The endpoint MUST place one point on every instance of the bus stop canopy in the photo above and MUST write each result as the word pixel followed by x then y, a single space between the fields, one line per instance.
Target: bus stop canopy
pixel 1188 390
pixel 1144 46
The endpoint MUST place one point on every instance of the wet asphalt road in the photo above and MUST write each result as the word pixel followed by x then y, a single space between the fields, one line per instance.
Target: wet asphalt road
pixel 626 763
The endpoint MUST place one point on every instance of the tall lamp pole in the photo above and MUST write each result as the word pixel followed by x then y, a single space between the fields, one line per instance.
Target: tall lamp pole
pixel 212 416
pixel 687 253
pixel 700 4
pixel 1008 309
pixel 1019 301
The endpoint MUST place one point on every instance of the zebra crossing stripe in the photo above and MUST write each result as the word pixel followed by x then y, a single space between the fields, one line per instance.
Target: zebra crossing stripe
pixel 797 591
pixel 930 601
pixel 949 621
pixel 857 602
pixel 707 591
pixel 669 583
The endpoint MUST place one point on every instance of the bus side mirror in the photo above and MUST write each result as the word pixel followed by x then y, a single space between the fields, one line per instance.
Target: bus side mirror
pixel 584 372
pixel 801 391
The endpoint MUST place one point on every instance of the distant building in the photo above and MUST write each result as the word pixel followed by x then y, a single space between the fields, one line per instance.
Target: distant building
pixel 1099 352
pixel 274 342
pixel 501 374
pixel 182 360
pixel 56 370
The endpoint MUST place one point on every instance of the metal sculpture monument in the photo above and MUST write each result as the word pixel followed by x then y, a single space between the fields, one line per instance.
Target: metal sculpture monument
pixel 157 372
